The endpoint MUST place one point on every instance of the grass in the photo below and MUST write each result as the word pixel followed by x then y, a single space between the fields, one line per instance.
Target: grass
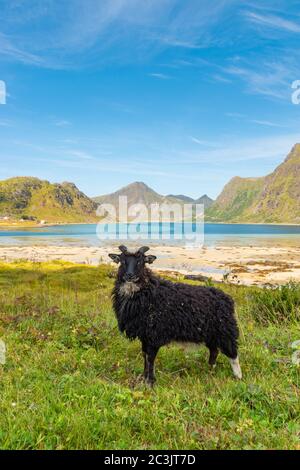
pixel 280 305
pixel 72 381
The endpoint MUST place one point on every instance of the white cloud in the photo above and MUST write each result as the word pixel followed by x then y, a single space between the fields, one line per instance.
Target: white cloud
pixel 131 168
pixel 62 123
pixel 8 49
pixel 271 79
pixel 266 123
pixel 161 76
pixel 204 143
pixel 235 115
pixel 92 28
pixel 274 22
pixel 5 123
pixel 220 78
pixel 80 154
pixel 173 42
pixel 246 149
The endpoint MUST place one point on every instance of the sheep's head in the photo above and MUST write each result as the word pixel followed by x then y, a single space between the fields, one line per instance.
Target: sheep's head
pixel 132 265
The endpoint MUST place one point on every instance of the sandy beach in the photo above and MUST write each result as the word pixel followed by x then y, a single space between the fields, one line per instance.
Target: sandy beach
pixel 243 264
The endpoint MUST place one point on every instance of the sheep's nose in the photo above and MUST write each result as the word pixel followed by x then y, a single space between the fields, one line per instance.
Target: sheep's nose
pixel 129 276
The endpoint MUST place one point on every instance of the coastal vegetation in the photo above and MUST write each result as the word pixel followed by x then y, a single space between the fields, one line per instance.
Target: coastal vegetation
pixel 72 381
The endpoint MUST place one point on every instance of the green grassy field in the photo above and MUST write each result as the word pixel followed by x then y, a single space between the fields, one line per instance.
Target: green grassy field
pixel 72 381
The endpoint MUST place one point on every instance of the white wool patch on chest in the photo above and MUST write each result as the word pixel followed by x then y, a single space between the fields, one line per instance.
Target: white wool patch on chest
pixel 128 289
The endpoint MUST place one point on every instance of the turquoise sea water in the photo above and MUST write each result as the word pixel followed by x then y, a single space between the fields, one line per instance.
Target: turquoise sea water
pixel 214 234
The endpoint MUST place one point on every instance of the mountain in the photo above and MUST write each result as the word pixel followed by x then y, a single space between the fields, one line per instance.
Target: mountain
pixel 274 198
pixel 181 197
pixel 279 200
pixel 237 196
pixel 35 199
pixel 137 192
pixel 205 200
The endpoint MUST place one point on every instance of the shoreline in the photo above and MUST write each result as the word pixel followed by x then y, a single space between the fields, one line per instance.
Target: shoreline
pixel 59 224
pixel 245 265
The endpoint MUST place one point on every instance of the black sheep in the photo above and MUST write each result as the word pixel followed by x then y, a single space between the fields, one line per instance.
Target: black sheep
pixel 158 312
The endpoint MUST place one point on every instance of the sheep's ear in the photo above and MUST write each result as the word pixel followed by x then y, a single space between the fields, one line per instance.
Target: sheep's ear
pixel 115 258
pixel 150 259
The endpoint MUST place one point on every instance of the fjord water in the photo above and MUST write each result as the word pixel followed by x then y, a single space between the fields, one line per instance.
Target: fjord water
pixel 214 234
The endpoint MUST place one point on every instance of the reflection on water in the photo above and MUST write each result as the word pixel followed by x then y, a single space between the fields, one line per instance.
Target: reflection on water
pixel 215 234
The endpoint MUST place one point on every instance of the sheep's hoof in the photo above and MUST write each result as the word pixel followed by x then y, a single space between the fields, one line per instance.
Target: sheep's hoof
pixel 236 368
pixel 150 383
pixel 140 378
pixel 238 376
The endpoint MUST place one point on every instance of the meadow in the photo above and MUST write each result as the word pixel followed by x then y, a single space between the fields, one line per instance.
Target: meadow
pixel 71 381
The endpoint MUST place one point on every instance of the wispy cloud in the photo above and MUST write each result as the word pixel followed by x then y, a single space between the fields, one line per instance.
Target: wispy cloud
pixel 266 123
pixel 92 29
pixel 270 78
pixel 5 123
pixel 161 76
pixel 80 154
pixel 173 42
pixel 62 123
pixel 9 50
pixel 220 78
pixel 235 115
pixel 204 143
pixel 274 22
pixel 132 168
pixel 272 147
pixel 260 122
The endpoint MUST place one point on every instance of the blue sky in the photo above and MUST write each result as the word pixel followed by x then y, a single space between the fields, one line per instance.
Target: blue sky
pixel 182 95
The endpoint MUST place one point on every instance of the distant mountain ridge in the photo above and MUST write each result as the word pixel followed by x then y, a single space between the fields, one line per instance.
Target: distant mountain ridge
pixel 35 199
pixel 205 200
pixel 274 198
pixel 136 193
pixel 139 192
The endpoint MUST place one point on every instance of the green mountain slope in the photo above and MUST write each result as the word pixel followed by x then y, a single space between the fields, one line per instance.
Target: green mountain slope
pixel 27 197
pixel 280 198
pixel 271 199
pixel 237 196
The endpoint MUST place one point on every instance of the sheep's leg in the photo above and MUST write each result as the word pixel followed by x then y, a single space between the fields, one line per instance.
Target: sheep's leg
pixel 234 362
pixel 229 348
pixel 149 358
pixel 151 376
pixel 145 365
pixel 145 356
pixel 236 368
pixel 213 354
